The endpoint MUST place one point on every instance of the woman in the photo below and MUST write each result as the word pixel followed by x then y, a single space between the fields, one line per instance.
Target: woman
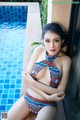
pixel 46 78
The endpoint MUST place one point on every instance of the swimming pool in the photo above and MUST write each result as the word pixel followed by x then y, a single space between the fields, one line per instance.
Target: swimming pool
pixel 12 39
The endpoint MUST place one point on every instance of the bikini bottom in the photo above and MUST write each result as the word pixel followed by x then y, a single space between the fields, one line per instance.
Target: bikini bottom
pixel 35 105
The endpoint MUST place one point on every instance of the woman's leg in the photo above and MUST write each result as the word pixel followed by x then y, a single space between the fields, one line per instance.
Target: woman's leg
pixel 19 110
pixel 47 113
pixel 31 116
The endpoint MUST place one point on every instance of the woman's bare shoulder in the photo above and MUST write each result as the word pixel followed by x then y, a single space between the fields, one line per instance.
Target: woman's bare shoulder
pixel 39 49
pixel 66 59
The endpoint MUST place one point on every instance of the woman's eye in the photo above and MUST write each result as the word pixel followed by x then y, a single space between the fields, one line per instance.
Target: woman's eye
pixel 57 40
pixel 47 41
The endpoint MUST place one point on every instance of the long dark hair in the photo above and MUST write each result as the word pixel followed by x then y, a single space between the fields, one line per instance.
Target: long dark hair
pixel 56 28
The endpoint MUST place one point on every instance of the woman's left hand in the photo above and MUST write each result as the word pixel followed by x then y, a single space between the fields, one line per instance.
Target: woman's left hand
pixel 56 97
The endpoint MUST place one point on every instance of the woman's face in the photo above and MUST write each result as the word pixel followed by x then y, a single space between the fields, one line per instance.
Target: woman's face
pixel 52 42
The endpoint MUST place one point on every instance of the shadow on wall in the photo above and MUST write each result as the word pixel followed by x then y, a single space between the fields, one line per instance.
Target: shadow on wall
pixel 72 99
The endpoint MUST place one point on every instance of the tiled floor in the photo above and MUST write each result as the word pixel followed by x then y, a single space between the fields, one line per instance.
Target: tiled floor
pixel 12 41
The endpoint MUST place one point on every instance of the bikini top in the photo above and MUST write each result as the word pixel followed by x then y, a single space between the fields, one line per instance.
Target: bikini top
pixel 55 74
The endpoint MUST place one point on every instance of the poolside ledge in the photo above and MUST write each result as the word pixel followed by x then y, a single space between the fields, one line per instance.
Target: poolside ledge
pixel 33 33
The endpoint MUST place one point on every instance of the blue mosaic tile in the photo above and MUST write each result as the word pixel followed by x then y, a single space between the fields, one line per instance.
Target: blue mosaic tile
pixel 11 96
pixel 19 76
pixel 12 81
pixel 0 97
pixel 11 91
pixel 17 95
pixel 12 86
pixel 3 69
pixel 7 81
pixel 18 81
pixel 8 68
pixel 3 101
pixel 0 91
pixel 6 86
pixel 13 76
pixel 1 77
pixel 8 73
pixel 2 107
pixel 2 72
pixel 17 86
pixel 9 65
pixel 17 90
pixel 7 76
pixel 4 95
pixel 13 68
pixel 5 91
pixel 1 86
pixel 14 72
pixel 19 72
pixel 10 101
pixel 1 81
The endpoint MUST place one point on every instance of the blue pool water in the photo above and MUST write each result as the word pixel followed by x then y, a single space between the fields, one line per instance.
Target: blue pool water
pixel 12 40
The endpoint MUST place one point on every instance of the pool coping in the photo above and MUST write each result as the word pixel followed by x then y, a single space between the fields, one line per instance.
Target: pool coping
pixel 33 29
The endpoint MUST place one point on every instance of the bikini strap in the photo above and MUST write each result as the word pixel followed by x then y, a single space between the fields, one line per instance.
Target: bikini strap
pixel 51 58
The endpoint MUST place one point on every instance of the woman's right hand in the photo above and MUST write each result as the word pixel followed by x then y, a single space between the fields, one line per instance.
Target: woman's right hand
pixel 56 97
pixel 27 78
pixel 24 76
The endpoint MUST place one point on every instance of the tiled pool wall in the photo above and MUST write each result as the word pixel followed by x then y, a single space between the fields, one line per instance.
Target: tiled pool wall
pixel 12 39
pixel 13 14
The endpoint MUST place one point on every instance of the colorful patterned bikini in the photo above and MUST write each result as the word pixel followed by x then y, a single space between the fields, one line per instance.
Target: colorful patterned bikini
pixel 55 77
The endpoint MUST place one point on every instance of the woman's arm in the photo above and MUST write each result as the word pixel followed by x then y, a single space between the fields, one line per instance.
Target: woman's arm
pixel 31 82
pixel 43 94
pixel 47 89
pixel 62 86
pixel 55 97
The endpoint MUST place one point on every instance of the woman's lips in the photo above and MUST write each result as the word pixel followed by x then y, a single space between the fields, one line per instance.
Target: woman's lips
pixel 52 50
